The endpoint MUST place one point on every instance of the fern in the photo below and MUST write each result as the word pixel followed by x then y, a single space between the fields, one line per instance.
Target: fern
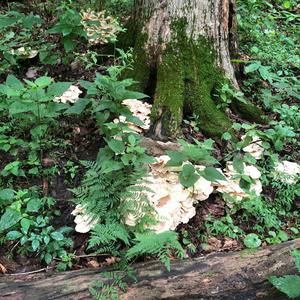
pixel 289 284
pixel 105 234
pixel 162 245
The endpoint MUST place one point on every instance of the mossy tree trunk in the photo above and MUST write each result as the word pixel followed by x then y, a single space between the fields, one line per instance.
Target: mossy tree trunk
pixel 182 56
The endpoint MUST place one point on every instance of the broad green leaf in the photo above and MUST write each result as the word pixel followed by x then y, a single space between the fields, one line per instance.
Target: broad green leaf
pixel 296 255
pixel 117 146
pixel 58 88
pixel 33 205
pixel 10 218
pixel 238 164
pixel 68 43
pixel 212 174
pixel 7 195
pixel 188 176
pixel 177 158
pixel 252 241
pixel 226 136
pixel 78 107
pixel 35 244
pixel 14 83
pixel 20 107
pixel 287 4
pixel 25 224
pixel 288 284
pixel 57 236
pixel 6 21
pixel 43 81
pixel 13 235
pixel 253 67
pixel 48 258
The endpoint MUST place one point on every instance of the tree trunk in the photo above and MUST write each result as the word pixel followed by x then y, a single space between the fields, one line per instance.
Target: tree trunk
pixel 182 57
pixel 235 276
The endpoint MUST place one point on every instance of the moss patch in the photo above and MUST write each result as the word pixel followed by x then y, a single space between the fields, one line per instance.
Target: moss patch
pixel 186 78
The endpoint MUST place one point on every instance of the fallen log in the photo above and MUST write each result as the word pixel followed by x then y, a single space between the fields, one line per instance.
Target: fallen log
pixel 235 275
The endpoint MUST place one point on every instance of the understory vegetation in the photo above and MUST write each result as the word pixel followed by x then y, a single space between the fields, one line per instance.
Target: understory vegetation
pixel 69 145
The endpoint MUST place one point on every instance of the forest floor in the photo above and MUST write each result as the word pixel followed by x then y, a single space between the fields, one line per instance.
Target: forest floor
pixel 217 225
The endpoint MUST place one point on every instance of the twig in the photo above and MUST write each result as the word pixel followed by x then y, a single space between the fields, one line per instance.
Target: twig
pixel 31 272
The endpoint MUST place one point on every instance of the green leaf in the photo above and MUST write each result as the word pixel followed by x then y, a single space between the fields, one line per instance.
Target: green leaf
pixel 117 146
pixel 226 136
pixel 20 107
pixel 287 4
pixel 252 241
pixel 58 88
pixel 288 284
pixel 48 258
pixel 43 81
pixel 10 218
pixel 253 67
pixel 188 177
pixel 6 21
pixel 212 174
pixel 296 255
pixel 13 235
pixel 33 205
pixel 14 83
pixel 238 164
pixel 278 145
pixel 68 43
pixel 7 195
pixel 35 244
pixel 283 236
pixel 78 107
pixel 57 236
pixel 25 224
pixel 177 158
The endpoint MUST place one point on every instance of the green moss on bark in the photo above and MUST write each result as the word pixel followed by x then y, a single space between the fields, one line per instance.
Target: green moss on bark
pixel 248 111
pixel 187 75
pixel 167 111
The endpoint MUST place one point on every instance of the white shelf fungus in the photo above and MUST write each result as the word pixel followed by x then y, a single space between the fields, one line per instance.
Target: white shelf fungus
pixel 287 172
pixel 232 185
pixel 83 221
pixel 173 203
pixel 139 109
pixel 255 149
pixel 71 95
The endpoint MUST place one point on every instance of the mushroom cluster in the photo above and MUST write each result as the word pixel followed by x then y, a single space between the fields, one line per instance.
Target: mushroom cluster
pixel 100 29
pixel 232 187
pixel 172 203
pixel 71 95
pixel 255 148
pixel 139 109
pixel 84 222
pixel 287 172
pixel 25 52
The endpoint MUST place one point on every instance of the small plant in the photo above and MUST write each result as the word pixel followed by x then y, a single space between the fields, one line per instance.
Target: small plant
pixel 289 284
pixel 69 26
pixel 252 241
pixel 31 108
pixel 26 220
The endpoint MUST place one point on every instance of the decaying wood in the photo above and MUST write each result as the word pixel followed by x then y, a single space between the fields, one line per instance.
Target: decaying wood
pixel 158 148
pixel 236 275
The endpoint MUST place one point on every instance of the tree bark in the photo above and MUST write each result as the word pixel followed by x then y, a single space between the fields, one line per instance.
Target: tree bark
pixel 182 57
pixel 236 275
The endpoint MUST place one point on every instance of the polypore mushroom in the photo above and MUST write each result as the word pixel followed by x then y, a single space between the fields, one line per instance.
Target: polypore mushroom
pixel 84 222
pixel 70 95
pixel 287 171
pixel 255 148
